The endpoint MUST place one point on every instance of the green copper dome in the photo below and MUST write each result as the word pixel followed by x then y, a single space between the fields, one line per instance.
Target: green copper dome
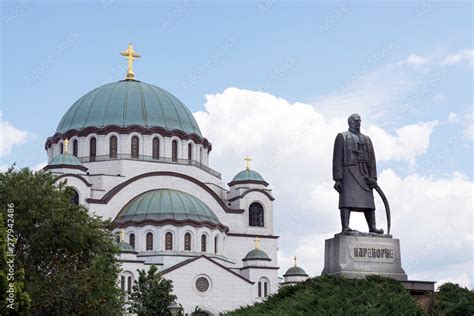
pixel 257 254
pixel 295 271
pixel 125 247
pixel 127 103
pixel 166 204
pixel 65 159
pixel 248 175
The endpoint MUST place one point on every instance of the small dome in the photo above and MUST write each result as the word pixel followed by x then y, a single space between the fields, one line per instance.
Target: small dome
pixel 129 103
pixel 295 271
pixel 125 247
pixel 257 254
pixel 246 176
pixel 65 161
pixel 167 204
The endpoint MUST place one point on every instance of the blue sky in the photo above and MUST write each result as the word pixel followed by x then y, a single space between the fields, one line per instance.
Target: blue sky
pixel 385 57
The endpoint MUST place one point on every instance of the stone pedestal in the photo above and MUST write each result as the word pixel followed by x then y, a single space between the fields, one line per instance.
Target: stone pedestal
pixel 358 255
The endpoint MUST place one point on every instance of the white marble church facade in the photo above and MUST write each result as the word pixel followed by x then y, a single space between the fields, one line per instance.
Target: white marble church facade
pixel 133 153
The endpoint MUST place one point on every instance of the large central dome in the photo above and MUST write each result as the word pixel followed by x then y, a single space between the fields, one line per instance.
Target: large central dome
pixel 128 103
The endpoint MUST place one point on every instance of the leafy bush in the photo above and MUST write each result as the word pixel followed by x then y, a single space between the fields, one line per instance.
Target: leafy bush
pixel 452 299
pixel 328 295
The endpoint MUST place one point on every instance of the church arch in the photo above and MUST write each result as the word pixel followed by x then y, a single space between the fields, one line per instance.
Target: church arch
pixel 113 146
pixel 131 240
pixel 174 149
pixel 188 241
pixel 256 215
pixel 92 148
pixel 75 147
pixel 204 240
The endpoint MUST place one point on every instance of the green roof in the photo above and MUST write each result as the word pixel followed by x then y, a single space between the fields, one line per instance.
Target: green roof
pixel 295 271
pixel 65 159
pixel 248 175
pixel 166 204
pixel 126 103
pixel 256 254
pixel 125 247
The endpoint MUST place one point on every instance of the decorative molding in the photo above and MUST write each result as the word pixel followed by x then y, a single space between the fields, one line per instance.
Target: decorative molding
pixel 74 176
pixel 127 130
pixel 183 263
pixel 247 182
pixel 131 261
pixel 64 166
pixel 116 224
pixel 253 235
pixel 259 267
pixel 252 190
pixel 109 195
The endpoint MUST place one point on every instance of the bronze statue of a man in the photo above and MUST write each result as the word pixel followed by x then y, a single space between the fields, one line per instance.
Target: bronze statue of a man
pixel 355 173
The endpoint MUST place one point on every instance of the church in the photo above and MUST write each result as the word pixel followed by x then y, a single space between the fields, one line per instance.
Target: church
pixel 133 153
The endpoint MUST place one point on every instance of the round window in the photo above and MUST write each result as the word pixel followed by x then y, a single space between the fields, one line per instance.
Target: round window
pixel 202 284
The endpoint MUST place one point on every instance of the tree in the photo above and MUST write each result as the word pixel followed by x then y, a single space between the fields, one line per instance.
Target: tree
pixel 68 256
pixel 452 299
pixel 151 294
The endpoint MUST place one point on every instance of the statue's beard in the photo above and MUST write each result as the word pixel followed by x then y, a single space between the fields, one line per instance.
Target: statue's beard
pixel 354 130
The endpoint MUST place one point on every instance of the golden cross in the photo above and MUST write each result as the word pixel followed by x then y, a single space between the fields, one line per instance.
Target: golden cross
pixel 295 260
pixel 247 162
pixel 257 243
pixel 122 235
pixel 131 55
pixel 66 142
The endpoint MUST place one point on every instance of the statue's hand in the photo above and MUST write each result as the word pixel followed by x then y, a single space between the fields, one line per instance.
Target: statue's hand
pixel 338 186
pixel 371 182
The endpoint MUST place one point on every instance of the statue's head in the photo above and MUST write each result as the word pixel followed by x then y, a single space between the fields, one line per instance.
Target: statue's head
pixel 354 121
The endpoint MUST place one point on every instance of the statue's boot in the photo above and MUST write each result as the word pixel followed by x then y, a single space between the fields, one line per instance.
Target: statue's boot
pixel 345 217
pixel 370 217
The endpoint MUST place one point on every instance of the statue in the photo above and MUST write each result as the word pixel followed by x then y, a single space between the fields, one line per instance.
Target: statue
pixel 355 174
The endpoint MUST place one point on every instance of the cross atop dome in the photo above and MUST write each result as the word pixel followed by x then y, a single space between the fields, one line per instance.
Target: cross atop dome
pixel 131 55
pixel 247 162
pixel 66 142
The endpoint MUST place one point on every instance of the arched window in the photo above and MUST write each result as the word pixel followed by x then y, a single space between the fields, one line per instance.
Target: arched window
pixel 156 148
pixel 259 289
pixel 61 148
pixel 174 151
pixel 256 215
pixel 149 241
pixel 122 283
pixel 135 145
pixel 168 241
pixel 187 242
pixel 113 147
pixel 190 151
pixel 74 195
pixel 265 289
pixel 92 149
pixel 75 147
pixel 216 239
pixel 132 240
pixel 203 243
pixel 117 238
pixel 129 284
pixel 201 155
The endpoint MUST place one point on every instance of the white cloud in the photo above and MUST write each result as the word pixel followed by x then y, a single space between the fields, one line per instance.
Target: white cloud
pixel 453 118
pixel 414 60
pixel 10 137
pixel 40 166
pixel 466 55
pixel 291 146
pixel 468 123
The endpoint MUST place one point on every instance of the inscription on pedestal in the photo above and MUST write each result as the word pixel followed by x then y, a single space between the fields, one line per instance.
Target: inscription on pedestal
pixel 370 253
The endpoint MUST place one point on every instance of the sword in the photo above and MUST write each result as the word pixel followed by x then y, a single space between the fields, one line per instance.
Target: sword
pixel 387 207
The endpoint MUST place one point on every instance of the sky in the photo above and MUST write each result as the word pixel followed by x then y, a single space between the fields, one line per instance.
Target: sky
pixel 285 76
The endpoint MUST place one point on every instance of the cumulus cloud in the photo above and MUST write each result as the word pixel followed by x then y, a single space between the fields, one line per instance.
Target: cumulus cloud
pixel 291 146
pixel 466 55
pixel 10 137
pixel 413 59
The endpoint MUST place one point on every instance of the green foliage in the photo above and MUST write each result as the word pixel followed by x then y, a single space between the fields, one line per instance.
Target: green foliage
pixel 152 294
pixel 452 299
pixel 68 257
pixel 327 295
